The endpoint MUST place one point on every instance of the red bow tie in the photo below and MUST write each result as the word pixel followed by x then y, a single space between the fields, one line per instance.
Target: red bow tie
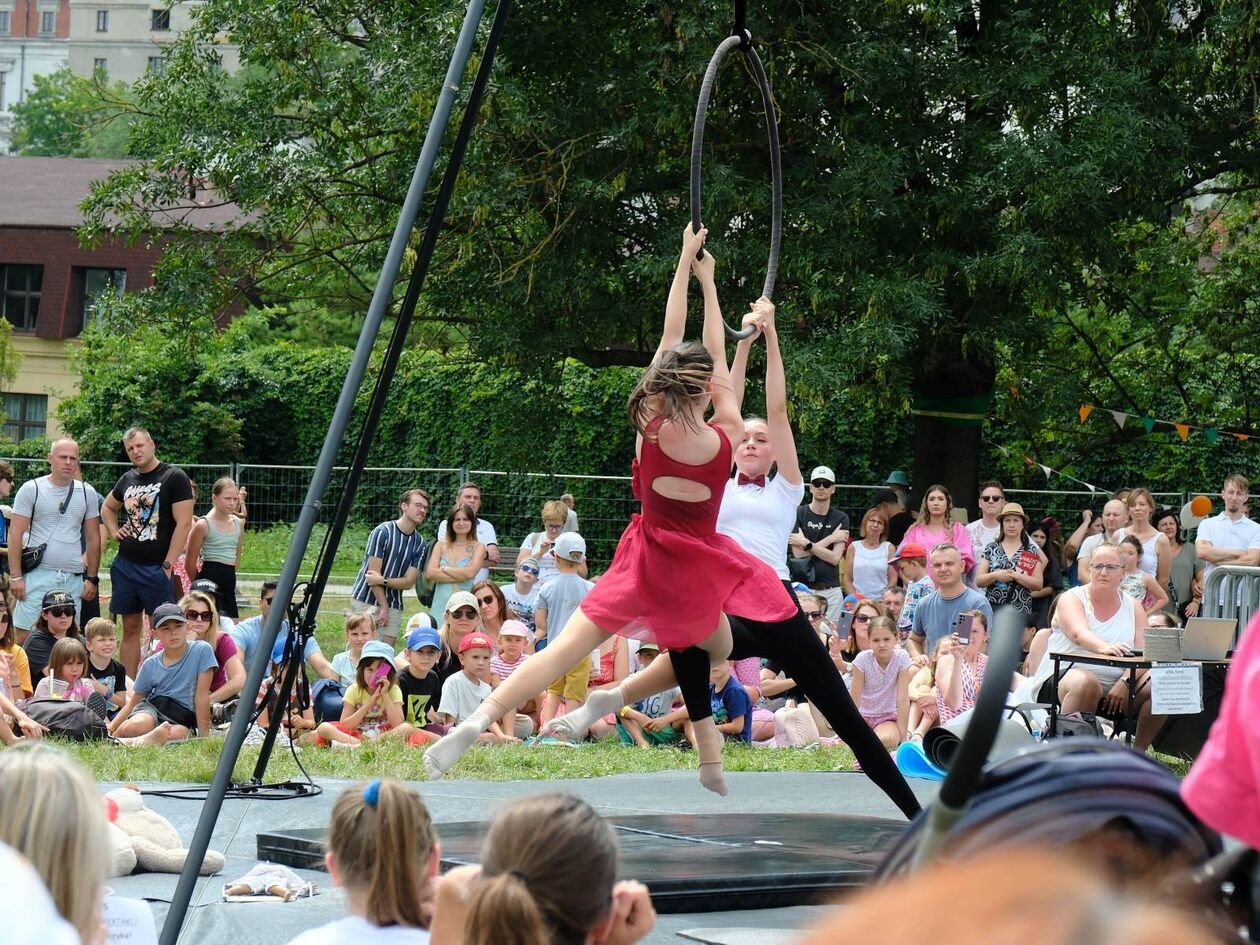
pixel 743 480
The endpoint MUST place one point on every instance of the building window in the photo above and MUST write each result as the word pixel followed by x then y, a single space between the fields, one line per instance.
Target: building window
pixel 99 65
pixel 25 416
pixel 21 286
pixel 102 21
pixel 6 26
pixel 48 21
pixel 157 64
pixel 4 78
pixel 98 283
pixel 160 20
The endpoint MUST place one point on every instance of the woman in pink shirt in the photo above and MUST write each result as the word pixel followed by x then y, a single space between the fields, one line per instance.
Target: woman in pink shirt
pixel 934 526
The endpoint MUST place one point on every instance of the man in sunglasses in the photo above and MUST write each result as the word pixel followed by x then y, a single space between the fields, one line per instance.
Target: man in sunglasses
pixel 49 518
pixel 248 632
pixel 822 533
pixel 985 529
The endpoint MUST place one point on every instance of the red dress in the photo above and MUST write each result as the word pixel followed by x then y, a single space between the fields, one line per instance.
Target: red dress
pixel 673 575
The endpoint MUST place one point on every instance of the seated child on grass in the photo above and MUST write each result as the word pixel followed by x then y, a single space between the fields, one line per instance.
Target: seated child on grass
pixel 644 723
pixel 105 674
pixel 372 707
pixel 513 639
pixel 172 688
pixel 465 691
pixel 421 686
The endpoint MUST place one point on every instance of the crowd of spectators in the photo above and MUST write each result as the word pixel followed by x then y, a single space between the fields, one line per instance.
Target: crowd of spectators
pixel 904 606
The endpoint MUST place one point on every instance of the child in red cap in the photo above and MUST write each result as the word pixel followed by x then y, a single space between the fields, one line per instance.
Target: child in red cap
pixel 467 689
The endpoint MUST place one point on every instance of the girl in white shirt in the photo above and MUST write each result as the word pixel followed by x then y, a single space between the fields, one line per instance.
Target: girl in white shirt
pixel 383 851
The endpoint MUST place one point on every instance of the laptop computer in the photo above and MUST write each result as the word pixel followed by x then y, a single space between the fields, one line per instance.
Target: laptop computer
pixel 1207 638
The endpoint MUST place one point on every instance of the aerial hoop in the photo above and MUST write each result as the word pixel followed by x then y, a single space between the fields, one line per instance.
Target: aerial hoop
pixel 743 39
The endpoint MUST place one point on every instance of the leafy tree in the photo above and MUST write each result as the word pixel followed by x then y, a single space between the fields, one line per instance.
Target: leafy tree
pixel 66 115
pixel 975 191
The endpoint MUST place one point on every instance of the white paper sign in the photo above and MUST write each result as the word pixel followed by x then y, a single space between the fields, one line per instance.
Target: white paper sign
pixel 1177 689
pixel 128 922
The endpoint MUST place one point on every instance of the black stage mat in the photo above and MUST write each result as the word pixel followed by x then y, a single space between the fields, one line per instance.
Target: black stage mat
pixel 692 862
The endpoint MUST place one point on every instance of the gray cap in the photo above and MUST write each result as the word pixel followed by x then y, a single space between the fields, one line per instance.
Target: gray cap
pixel 163 613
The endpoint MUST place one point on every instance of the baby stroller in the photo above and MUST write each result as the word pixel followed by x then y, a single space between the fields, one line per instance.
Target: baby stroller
pixel 1121 806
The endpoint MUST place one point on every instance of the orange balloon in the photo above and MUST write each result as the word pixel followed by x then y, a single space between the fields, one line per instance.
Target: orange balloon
pixel 1201 506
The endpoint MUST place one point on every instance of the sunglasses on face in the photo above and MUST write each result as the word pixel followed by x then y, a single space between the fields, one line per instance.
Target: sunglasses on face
pixel 6 479
pixel 197 615
pixel 990 498
pixel 814 614
pixel 464 613
pixel 862 618
pixel 528 570
pixel 267 600
pixel 60 611
pixel 485 600
pixel 820 484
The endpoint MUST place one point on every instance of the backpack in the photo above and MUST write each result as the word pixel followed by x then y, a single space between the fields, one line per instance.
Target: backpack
pixel 67 718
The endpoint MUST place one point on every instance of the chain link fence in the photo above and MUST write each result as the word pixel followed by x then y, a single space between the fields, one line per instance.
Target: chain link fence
pixel 513 501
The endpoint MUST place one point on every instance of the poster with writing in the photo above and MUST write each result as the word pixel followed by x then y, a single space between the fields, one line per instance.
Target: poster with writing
pixel 1177 689
pixel 1027 561
pixel 128 922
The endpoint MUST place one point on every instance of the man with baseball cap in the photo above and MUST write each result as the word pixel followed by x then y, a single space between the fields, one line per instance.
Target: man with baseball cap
pixel 821 535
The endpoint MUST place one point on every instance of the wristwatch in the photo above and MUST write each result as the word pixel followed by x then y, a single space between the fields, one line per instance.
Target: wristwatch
pixel 92 579
pixel 166 565
pixel 809 545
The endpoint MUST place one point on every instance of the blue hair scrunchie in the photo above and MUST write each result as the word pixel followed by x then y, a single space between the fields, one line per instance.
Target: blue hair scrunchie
pixel 372 793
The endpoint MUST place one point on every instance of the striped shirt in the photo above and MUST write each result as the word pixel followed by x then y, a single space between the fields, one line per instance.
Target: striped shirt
pixel 502 668
pixel 398 552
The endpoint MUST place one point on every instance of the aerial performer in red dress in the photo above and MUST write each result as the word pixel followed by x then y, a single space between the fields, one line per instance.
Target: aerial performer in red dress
pixel 673 576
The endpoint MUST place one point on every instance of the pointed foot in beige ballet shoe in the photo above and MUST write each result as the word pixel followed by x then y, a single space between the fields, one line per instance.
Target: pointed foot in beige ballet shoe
pixel 713 777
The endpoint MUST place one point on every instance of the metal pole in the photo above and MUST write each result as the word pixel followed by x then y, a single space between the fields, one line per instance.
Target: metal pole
pixel 309 514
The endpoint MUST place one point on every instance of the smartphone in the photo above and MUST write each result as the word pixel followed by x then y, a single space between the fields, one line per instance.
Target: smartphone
pixel 962 627
pixel 844 625
pixel 382 672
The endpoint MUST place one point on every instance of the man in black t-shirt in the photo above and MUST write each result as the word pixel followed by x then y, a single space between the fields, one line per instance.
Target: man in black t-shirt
pixel 822 533
pixel 156 502
pixel 899 521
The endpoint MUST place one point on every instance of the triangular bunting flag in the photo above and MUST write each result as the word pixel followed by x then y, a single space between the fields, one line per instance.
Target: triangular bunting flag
pixel 1092 490
pixel 1183 430
pixel 1210 435
pixel 1148 424
pixel 1045 469
pixel 1084 412
pixel 1119 416
pixel 1241 437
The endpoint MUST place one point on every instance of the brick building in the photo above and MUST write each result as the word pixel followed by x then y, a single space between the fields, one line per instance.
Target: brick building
pixel 48 282
pixel 34 40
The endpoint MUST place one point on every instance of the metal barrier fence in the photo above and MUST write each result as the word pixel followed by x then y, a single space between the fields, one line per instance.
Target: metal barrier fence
pixel 511 500
pixel 103 475
pixel 276 492
pixel 1232 591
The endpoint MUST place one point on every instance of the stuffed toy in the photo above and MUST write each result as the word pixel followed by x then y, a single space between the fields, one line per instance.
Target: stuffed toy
pixel 142 841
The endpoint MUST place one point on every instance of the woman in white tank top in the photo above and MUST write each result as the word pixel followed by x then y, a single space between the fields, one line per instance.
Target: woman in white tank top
pixel 868 563
pixel 1157 554
pixel 1096 618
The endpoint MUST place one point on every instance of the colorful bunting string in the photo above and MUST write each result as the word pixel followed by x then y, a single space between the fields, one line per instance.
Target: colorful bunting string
pixel 1050 471
pixel 1121 418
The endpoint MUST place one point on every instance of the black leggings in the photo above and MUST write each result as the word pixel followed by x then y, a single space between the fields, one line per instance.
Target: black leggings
pixel 794 646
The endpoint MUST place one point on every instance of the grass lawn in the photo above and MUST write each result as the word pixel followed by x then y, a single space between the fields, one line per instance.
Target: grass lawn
pixel 194 762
